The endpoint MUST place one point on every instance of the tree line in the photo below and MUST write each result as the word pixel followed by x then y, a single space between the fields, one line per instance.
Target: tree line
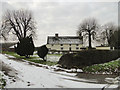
pixel 109 32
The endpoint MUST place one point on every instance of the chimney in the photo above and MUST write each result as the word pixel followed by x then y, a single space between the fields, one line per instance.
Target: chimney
pixel 56 35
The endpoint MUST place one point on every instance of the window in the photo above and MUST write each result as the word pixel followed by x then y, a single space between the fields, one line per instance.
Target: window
pixel 52 44
pixel 62 48
pixel 61 44
pixel 77 48
pixel 77 44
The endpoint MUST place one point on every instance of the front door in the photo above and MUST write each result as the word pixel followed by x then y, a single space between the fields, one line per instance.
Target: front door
pixel 69 48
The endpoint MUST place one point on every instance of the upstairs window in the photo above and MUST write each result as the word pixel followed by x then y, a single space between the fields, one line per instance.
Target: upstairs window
pixel 61 44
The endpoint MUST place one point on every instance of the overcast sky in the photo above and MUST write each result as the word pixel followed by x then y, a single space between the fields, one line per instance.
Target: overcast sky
pixel 63 16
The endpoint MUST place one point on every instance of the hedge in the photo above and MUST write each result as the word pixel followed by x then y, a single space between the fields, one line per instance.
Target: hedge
pixel 87 58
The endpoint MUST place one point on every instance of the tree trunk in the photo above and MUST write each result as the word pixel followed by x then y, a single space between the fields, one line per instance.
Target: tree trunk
pixel 90 46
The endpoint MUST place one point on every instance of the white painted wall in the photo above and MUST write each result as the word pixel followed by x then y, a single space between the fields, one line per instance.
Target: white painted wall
pixel 65 47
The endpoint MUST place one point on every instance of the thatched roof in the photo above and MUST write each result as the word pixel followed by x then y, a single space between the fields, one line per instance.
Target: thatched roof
pixel 64 40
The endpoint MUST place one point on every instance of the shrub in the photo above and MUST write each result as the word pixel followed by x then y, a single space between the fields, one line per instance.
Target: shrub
pixel 42 52
pixel 25 47
pixel 88 58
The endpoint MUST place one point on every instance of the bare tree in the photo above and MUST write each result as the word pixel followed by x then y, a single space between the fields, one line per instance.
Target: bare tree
pixel 19 22
pixel 108 30
pixel 89 27
pixel 2 31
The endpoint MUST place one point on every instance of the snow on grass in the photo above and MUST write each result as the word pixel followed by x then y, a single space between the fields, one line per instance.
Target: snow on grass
pixel 105 68
pixel 31 76
pixel 9 56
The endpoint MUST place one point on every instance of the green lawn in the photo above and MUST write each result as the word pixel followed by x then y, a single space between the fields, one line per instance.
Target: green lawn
pixel 32 58
pixel 110 67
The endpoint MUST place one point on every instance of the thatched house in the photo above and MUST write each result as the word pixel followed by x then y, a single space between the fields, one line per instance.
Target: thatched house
pixel 64 43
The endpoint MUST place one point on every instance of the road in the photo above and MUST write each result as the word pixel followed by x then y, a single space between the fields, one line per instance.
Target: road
pixel 23 75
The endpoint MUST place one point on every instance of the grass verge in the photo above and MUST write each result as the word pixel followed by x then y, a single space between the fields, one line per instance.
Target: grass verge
pixel 55 54
pixel 32 58
pixel 106 68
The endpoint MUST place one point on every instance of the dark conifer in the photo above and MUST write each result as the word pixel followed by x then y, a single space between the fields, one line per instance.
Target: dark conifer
pixel 25 47
pixel 42 52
